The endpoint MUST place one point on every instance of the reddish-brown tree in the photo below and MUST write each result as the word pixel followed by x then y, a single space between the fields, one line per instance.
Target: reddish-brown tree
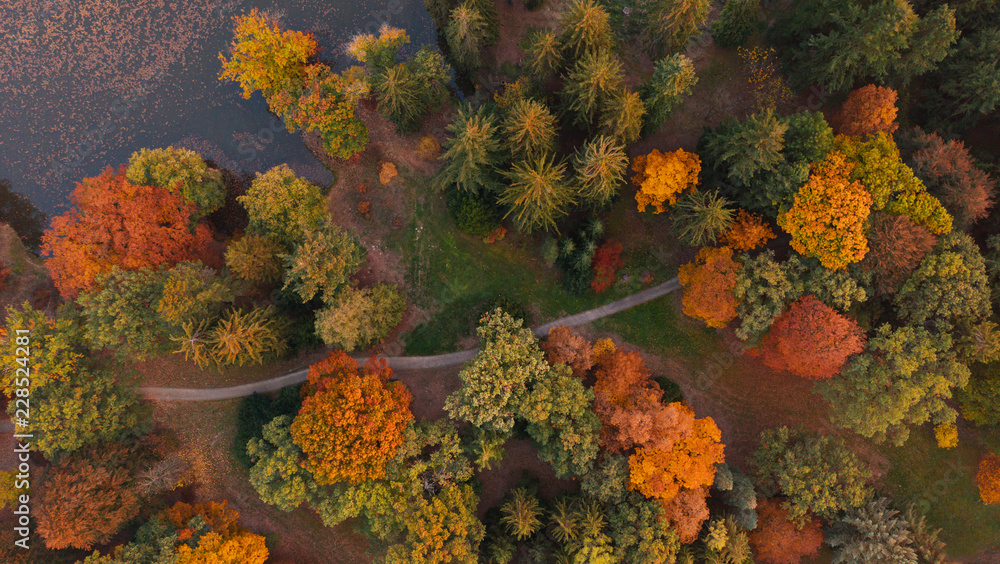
pixel 353 420
pixel 867 111
pixel 777 540
pixel 811 339
pixel 950 174
pixel 565 346
pixel 607 260
pixel 686 513
pixel 708 286
pixel 896 246
pixel 119 223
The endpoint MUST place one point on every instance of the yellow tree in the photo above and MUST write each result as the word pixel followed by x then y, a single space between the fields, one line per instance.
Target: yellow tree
pixel 661 177
pixel 708 284
pixel 827 219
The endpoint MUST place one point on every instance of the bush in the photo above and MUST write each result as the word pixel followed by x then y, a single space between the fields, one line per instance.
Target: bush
pixel 473 214
pixel 671 391
pixel 257 410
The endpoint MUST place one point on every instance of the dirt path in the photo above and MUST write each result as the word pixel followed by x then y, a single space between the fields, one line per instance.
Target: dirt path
pixel 403 362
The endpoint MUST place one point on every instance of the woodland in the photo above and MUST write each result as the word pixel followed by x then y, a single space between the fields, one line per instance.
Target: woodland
pixel 820 176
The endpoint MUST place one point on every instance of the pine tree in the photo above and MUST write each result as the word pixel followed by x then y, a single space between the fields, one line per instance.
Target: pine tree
pixel 673 78
pixel 585 30
pixel 671 23
pixel 621 116
pixel 471 152
pixel 543 55
pixel 699 218
pixel 599 168
pixel 538 194
pixel 530 129
pixel 465 34
pixel 591 83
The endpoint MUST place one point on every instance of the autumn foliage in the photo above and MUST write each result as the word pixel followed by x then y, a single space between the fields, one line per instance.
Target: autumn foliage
pixel 896 246
pixel 565 346
pixel 227 541
pixel 951 175
pixel 827 220
pixel 606 262
pixel 708 284
pixel 777 540
pixel 811 339
pixel 867 111
pixel 352 421
pixel 117 223
pixel 661 177
pixel 747 232
pixel 988 479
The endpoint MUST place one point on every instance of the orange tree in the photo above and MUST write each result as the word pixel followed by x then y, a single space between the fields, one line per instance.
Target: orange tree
pixel 811 339
pixel 988 478
pixel 747 232
pixel 778 540
pixel 661 177
pixel 867 110
pixel 118 223
pixel 708 284
pixel 827 220
pixel 352 421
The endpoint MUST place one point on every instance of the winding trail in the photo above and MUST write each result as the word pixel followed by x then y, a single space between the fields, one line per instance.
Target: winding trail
pixel 404 362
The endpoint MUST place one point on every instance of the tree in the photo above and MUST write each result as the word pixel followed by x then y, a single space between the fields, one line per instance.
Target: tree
pixel 699 217
pixel 671 23
pixel 380 52
pixel 815 473
pixel 358 318
pixel 193 292
pixel 584 30
pixel 265 58
pixel 351 422
pixel 636 527
pixel 748 148
pixel 621 116
pixel 606 262
pixel 673 78
pixel 565 346
pixel 278 472
pixel 118 223
pixel 182 172
pixel 867 111
pixel 872 533
pixel 496 380
pixel 439 530
pixel 471 151
pixel 967 83
pixel 56 347
pixel 747 232
pixel 591 84
pixel 538 194
pixel 283 206
pixel 121 312
pixel 465 35
pixel 708 286
pixel 988 479
pixel 530 129
pixel 828 217
pixel 561 422
pixel 322 262
pixel 325 102
pixel 779 541
pixel 21 215
pixel 543 54
pixel 88 498
pixel 241 336
pixel 521 513
pixel 980 400
pixel 808 139
pixel 811 340
pixel 686 513
pixel 662 176
pixel 599 168
pixel 736 23
pixel 896 246
pixel 949 286
pixel 951 175
pixel 254 258
pixel 764 287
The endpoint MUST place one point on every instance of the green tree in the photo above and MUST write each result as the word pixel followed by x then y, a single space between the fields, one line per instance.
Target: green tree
pixel 471 152
pixel 121 314
pixel 764 287
pixel 905 377
pixel 594 80
pixel 380 52
pixel 673 78
pixel 56 347
pixel 584 30
pixel 522 513
pixel 530 129
pixel 873 533
pixel 980 400
pixel 283 206
pixel 496 381
pixel 182 172
pixel 323 262
pixel 636 527
pixel 671 23
pixel 398 95
pixel 241 337
pixel 543 55
pixel 193 292
pixel 599 168
pixel 699 218
pixel 815 473
pixel 278 473
pixel 808 138
pixel 255 258
pixel 949 286
pixel 325 103
pixel 736 23
pixel 968 83
pixel 621 116
pixel 538 194
pixel 561 421
pixel 358 318
pixel 745 149
pixel 465 35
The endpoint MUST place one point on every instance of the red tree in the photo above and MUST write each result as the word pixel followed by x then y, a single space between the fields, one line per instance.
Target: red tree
pixel 565 346
pixel 607 261
pixel 119 223
pixel 811 340
pixel 896 246
pixel 950 174
pixel 777 540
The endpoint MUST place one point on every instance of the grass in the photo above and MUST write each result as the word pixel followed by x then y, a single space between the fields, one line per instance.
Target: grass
pixel 943 483
pixel 658 326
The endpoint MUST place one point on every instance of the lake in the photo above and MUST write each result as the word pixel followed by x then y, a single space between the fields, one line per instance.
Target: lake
pixel 84 83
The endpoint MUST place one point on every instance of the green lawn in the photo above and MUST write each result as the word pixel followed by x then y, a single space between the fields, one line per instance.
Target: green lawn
pixel 659 327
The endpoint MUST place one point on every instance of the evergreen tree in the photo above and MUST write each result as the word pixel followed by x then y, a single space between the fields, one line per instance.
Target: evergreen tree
pixel 736 23
pixel 621 116
pixel 530 129
pixel 671 23
pixel 599 168
pixel 543 56
pixel 465 34
pixel 584 30
pixel 699 218
pixel 747 148
pixel 471 152
pixel 673 78
pixel 872 534
pixel 538 194
pixel 591 83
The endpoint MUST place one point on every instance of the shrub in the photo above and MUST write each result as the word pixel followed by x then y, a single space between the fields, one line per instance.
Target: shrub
pixel 473 213
pixel 607 260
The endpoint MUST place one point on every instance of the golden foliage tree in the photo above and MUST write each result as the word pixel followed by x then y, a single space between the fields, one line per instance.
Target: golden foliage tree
pixel 263 57
pixel 661 177
pixel 353 420
pixel 827 220
pixel 867 111
pixel 988 478
pixel 708 284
